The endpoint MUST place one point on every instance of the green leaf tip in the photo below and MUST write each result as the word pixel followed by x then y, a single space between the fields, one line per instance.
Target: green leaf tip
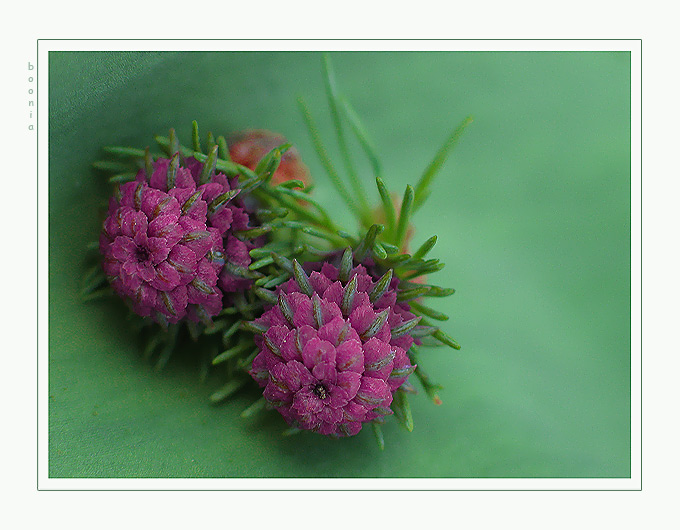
pixel 422 188
pixel 404 216
pixel 195 138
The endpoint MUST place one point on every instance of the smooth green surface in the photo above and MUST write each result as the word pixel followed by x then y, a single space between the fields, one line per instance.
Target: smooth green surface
pixel 533 218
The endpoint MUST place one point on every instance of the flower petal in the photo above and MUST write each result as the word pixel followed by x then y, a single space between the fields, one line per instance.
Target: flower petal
pixel 349 382
pixel 378 357
pixel 318 351
pixel 325 372
pixel 296 376
pixel 123 248
pixel 158 249
pixel 167 277
pixel 373 392
pixel 132 222
pixel 350 357
pixel 306 402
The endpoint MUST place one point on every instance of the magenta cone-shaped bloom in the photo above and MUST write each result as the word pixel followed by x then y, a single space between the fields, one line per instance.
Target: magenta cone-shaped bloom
pixel 159 254
pixel 329 359
pixel 219 206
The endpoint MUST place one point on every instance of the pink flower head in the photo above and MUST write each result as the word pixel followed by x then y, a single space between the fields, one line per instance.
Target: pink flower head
pixel 159 254
pixel 334 351
pixel 215 199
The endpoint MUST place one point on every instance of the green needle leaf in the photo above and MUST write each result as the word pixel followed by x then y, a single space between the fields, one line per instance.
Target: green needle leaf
pixel 231 353
pixel 362 136
pixel 425 248
pixel 333 98
pixel 227 391
pixel 148 164
pixel 299 195
pixel 302 279
pixel 231 331
pixel 402 410
pixel 388 207
pixel 380 287
pixel 379 438
pixel 210 141
pixel 440 292
pixel 222 199
pixel 253 327
pixel 411 294
pixel 171 175
pixel 266 295
pixel 428 312
pixel 223 149
pixel 276 281
pixel 263 262
pixel 325 159
pixel 122 178
pixel 255 408
pixel 151 346
pixel 292 183
pixel 422 188
pixel 423 331
pixel 286 310
pixel 423 271
pixel 404 216
pixel 431 389
pixel 389 248
pixel 348 296
pixel 195 138
pixel 269 163
pixel 367 242
pixel 379 251
pixel 174 143
pixel 283 262
pixel 377 324
pixel 404 328
pixel 446 339
pixel 209 166
pixel 125 152
pixel 346 264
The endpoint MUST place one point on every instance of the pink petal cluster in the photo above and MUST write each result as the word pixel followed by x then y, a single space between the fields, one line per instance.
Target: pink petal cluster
pixel 160 255
pixel 329 361
pixel 166 241
pixel 229 217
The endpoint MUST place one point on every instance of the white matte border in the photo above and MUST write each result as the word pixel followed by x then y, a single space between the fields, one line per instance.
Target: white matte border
pixel 632 483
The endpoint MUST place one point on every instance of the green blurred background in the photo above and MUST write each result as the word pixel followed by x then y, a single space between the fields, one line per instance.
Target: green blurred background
pixel 533 217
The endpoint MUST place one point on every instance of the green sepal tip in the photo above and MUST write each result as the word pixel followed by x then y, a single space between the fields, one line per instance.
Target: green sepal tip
pixel 379 438
pixel 425 248
pixel 346 264
pixel 404 216
pixel 227 390
pixel 208 170
pixel 441 336
pixel 231 353
pixel 302 279
pixel 256 407
pixel 195 138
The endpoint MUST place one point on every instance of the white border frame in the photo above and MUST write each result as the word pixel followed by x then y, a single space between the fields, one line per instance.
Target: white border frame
pixel 242 484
